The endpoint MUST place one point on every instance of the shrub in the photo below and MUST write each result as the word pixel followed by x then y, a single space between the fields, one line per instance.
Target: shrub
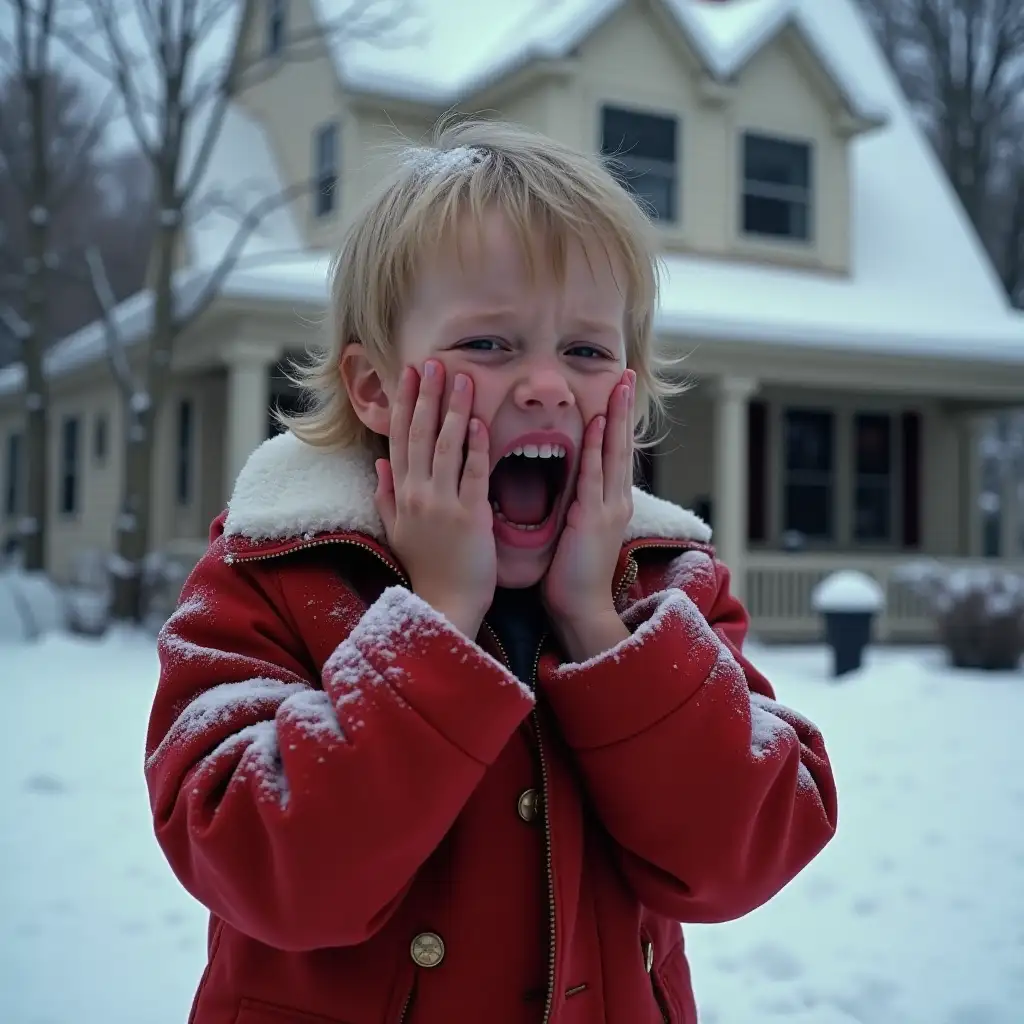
pixel 979 612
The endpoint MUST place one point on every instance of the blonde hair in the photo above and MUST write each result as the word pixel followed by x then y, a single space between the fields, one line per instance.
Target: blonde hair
pixel 471 167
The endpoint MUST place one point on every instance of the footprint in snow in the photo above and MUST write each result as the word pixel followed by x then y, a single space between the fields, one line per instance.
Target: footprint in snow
pixel 775 962
pixel 46 784
pixel 865 906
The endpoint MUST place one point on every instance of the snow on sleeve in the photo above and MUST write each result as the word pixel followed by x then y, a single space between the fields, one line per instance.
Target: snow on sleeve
pixel 260 757
pixel 221 705
pixel 399 620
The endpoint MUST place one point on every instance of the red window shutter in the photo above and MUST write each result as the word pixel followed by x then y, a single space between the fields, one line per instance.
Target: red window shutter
pixel 757 471
pixel 911 492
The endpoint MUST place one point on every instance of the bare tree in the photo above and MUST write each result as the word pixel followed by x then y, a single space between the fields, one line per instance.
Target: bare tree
pixel 49 135
pixel 961 64
pixel 176 100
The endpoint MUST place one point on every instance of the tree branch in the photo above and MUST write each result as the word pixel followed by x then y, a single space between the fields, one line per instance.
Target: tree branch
pixel 14 324
pixel 86 142
pixel 117 357
pixel 232 254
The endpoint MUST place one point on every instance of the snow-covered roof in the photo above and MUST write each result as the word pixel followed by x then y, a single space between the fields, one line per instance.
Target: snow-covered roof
pixel 463 46
pixel 920 282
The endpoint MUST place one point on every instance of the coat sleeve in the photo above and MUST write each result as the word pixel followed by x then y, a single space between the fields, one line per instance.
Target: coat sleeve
pixel 716 795
pixel 296 806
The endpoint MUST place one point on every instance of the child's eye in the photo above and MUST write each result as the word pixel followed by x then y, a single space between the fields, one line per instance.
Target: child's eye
pixel 587 352
pixel 481 345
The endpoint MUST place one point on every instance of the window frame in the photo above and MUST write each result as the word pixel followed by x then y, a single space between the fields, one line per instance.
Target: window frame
pixel 325 178
pixel 873 480
pixel 100 438
pixel 14 469
pixel 276 27
pixel 184 452
pixel 69 493
pixel 811 478
pixel 774 192
pixel 628 167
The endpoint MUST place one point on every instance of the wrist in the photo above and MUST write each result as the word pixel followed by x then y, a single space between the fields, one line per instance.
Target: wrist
pixel 466 619
pixel 587 634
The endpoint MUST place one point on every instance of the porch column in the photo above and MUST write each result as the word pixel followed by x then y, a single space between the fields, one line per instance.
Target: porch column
pixel 729 508
pixel 972 429
pixel 248 399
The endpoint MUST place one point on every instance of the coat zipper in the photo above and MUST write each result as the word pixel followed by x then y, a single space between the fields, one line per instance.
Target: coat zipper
pixel 548 855
pixel 407 1003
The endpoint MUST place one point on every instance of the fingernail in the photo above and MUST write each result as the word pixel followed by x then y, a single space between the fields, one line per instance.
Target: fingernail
pixel 430 368
pixel 474 426
pixel 461 381
pixel 601 421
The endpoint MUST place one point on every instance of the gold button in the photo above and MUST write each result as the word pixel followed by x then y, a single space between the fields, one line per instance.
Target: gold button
pixel 427 949
pixel 529 805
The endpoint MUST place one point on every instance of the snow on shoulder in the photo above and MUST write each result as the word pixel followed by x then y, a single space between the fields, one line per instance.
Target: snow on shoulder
pixel 848 591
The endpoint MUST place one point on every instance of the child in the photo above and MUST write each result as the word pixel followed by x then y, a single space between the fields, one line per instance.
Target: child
pixel 453 724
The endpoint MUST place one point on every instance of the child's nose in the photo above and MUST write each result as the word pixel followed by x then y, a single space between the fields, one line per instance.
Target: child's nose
pixel 544 389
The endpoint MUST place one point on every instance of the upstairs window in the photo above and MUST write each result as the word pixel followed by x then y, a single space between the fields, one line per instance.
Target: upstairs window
pixel 776 188
pixel 12 475
pixel 643 151
pixel 277 23
pixel 70 462
pixel 325 168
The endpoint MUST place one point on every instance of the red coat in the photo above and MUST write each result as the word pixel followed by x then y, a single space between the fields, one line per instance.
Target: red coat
pixel 385 825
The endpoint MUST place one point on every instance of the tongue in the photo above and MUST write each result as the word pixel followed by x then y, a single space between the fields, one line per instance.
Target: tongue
pixel 520 491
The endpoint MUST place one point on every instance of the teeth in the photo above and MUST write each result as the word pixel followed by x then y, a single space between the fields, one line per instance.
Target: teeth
pixel 542 451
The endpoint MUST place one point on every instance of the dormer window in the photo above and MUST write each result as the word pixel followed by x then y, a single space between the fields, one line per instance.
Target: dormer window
pixel 325 168
pixel 777 195
pixel 643 151
pixel 277 23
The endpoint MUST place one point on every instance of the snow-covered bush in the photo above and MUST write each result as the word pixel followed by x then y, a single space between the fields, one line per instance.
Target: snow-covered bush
pixel 31 605
pixel 979 611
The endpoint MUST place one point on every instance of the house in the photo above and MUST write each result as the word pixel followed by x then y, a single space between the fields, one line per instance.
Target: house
pixel 846 332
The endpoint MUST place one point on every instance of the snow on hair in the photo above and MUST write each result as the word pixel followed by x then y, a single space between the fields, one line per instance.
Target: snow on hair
pixel 471 167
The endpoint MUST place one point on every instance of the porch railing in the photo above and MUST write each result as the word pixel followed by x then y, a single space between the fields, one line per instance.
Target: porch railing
pixel 779 587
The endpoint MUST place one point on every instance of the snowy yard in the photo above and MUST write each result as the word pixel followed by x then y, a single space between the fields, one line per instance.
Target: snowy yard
pixel 915 914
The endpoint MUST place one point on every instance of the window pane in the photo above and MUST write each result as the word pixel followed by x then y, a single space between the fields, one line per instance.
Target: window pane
pixel 776 161
pixel 809 437
pixel 808 509
pixel 873 444
pixel 13 474
pixel 184 474
pixel 656 188
pixel 778 218
pixel 626 133
pixel 872 514
pixel 275 26
pixel 325 149
pixel 69 465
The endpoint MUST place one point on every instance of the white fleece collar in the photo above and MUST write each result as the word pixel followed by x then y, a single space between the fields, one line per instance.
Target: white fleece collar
pixel 288 489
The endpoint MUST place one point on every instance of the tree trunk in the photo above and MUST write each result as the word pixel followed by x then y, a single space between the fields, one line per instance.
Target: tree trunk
pixel 134 527
pixel 132 531
pixel 33 524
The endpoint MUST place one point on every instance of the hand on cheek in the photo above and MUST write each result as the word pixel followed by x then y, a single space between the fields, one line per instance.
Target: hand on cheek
pixel 577 589
pixel 432 495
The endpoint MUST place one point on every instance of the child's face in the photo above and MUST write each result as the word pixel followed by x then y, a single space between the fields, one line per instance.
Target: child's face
pixel 544 359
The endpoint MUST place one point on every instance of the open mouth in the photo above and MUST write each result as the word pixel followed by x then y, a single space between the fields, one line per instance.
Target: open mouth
pixel 526 485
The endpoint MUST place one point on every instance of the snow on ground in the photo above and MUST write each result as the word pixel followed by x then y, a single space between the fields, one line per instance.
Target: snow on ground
pixel 914 914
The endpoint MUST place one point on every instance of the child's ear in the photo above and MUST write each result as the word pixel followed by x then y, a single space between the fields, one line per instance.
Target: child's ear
pixel 367 390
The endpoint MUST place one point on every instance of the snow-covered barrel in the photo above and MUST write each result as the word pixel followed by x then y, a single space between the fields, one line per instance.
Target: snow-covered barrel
pixel 848 601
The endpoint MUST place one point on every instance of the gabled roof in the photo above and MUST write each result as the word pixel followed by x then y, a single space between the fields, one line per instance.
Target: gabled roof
pixel 463 46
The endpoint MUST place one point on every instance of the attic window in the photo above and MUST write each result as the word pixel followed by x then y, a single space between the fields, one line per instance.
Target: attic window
pixel 776 188
pixel 277 19
pixel 12 482
pixel 643 152
pixel 325 168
